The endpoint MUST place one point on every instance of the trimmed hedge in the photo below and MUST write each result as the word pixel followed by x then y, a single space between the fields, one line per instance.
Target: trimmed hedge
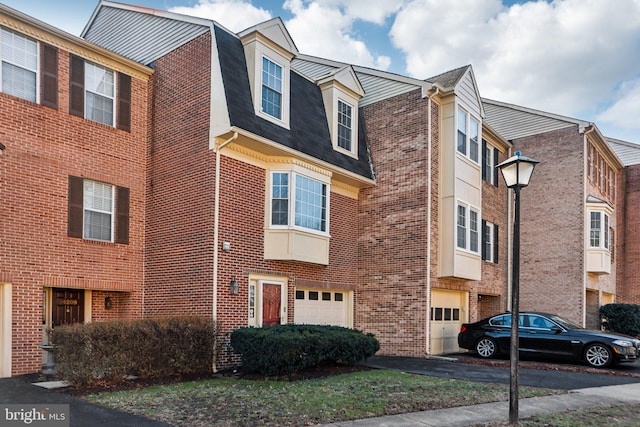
pixel 286 348
pixel 621 318
pixel 108 351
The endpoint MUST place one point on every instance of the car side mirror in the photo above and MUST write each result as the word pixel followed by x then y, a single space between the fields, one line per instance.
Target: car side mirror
pixel 557 329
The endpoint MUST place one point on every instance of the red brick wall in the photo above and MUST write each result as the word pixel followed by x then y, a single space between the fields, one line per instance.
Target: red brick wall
pixel 43 147
pixel 392 298
pixel 179 248
pixel 552 224
pixel 180 226
pixel 629 240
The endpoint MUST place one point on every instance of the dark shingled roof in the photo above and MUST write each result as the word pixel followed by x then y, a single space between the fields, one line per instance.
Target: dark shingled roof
pixel 309 132
pixel 450 78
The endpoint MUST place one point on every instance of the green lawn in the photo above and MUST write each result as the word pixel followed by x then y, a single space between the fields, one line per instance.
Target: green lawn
pixel 229 402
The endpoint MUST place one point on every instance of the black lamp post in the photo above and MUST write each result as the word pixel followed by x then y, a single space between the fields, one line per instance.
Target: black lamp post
pixel 516 171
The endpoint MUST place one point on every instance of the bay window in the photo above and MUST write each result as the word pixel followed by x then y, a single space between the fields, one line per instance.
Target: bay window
pixel 468 232
pixel 599 235
pixel 468 135
pixel 298 201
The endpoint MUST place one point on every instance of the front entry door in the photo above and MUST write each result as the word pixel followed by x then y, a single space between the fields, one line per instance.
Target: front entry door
pixel 68 307
pixel 271 300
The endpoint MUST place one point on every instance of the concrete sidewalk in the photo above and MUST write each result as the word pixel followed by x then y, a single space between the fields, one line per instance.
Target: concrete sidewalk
pixel 499 411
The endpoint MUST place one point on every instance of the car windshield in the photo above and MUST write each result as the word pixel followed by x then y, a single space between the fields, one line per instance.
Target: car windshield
pixel 567 324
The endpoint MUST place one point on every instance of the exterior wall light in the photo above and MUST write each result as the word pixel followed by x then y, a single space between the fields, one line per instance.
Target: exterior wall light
pixel 234 287
pixel 516 171
pixel 108 303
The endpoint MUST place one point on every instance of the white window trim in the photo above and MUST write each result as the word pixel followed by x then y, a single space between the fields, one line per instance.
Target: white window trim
pixel 478 230
pixel 286 71
pixel 491 239
pixel 469 117
pixel 293 173
pixel 112 213
pixel 112 98
pixel 36 71
pixel 605 230
pixel 491 165
pixel 354 127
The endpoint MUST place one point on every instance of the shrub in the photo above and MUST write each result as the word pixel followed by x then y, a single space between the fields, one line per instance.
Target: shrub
pixel 108 351
pixel 621 318
pixel 285 348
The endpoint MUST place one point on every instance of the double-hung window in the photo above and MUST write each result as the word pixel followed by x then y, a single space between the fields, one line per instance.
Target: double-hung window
pixel 468 135
pixel 489 162
pixel 98 211
pixel 100 94
pixel 271 88
pixel 19 65
pixel 599 235
pixel 95 95
pixel 298 202
pixel 468 226
pixel 489 241
pixel 345 127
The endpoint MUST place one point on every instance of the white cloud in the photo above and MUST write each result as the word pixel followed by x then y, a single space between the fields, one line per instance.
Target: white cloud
pixel 235 15
pixel 624 114
pixel 323 29
pixel 559 56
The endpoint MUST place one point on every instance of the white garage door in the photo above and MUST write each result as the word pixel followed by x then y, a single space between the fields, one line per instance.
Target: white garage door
pixel 323 307
pixel 448 313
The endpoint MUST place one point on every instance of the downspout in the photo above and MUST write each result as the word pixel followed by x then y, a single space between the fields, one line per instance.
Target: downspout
pixel 429 190
pixel 216 221
pixel 509 240
pixel 585 148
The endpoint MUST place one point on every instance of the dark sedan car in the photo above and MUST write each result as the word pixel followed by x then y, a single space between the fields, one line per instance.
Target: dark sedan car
pixel 545 334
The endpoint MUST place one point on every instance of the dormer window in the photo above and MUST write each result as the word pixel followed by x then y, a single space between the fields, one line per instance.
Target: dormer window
pixel 345 127
pixel 271 88
pixel 268 50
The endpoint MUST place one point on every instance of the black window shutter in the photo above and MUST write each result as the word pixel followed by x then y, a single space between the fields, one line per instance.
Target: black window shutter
pixel 122 215
pixel 124 102
pixel 76 208
pixel 76 86
pixel 495 243
pixel 485 171
pixel 484 239
pixel 495 169
pixel 49 76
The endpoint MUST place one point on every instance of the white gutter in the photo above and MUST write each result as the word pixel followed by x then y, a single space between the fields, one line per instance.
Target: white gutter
pixel 216 221
pixel 429 189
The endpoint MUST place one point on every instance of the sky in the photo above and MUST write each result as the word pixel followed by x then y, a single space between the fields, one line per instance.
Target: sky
pixel 577 58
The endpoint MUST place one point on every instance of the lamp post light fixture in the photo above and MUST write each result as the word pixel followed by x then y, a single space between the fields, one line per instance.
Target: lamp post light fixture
pixel 516 171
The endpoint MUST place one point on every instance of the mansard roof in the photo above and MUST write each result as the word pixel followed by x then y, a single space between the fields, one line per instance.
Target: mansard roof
pixel 144 35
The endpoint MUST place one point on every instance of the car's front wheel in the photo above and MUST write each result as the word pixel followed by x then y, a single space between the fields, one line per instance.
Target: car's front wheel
pixel 598 355
pixel 486 347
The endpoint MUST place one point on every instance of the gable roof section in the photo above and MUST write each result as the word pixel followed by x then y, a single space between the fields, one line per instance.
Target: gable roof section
pixel 449 79
pixel 309 132
pixel 276 32
pixel 513 121
pixel 140 33
pixel 628 152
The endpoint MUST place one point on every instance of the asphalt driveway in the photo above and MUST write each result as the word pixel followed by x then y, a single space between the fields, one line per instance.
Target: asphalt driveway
pixel 561 377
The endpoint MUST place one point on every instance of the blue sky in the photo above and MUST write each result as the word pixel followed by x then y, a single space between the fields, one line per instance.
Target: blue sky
pixel 579 58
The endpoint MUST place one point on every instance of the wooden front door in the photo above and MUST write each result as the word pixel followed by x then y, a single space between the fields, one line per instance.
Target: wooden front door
pixel 67 307
pixel 271 300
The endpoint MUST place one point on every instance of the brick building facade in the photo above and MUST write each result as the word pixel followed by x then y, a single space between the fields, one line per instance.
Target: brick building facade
pixel 60 262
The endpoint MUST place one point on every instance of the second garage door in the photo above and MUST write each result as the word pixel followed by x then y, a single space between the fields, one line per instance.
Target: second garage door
pixel 448 313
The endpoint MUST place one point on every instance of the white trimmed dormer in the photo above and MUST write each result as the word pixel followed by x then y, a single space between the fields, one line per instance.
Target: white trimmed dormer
pixel 269 49
pixel 341 91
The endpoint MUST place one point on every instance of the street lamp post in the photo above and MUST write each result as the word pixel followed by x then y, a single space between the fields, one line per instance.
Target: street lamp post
pixel 516 171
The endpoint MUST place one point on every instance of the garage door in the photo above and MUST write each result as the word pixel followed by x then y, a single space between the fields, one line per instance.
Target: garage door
pixel 448 313
pixel 323 307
